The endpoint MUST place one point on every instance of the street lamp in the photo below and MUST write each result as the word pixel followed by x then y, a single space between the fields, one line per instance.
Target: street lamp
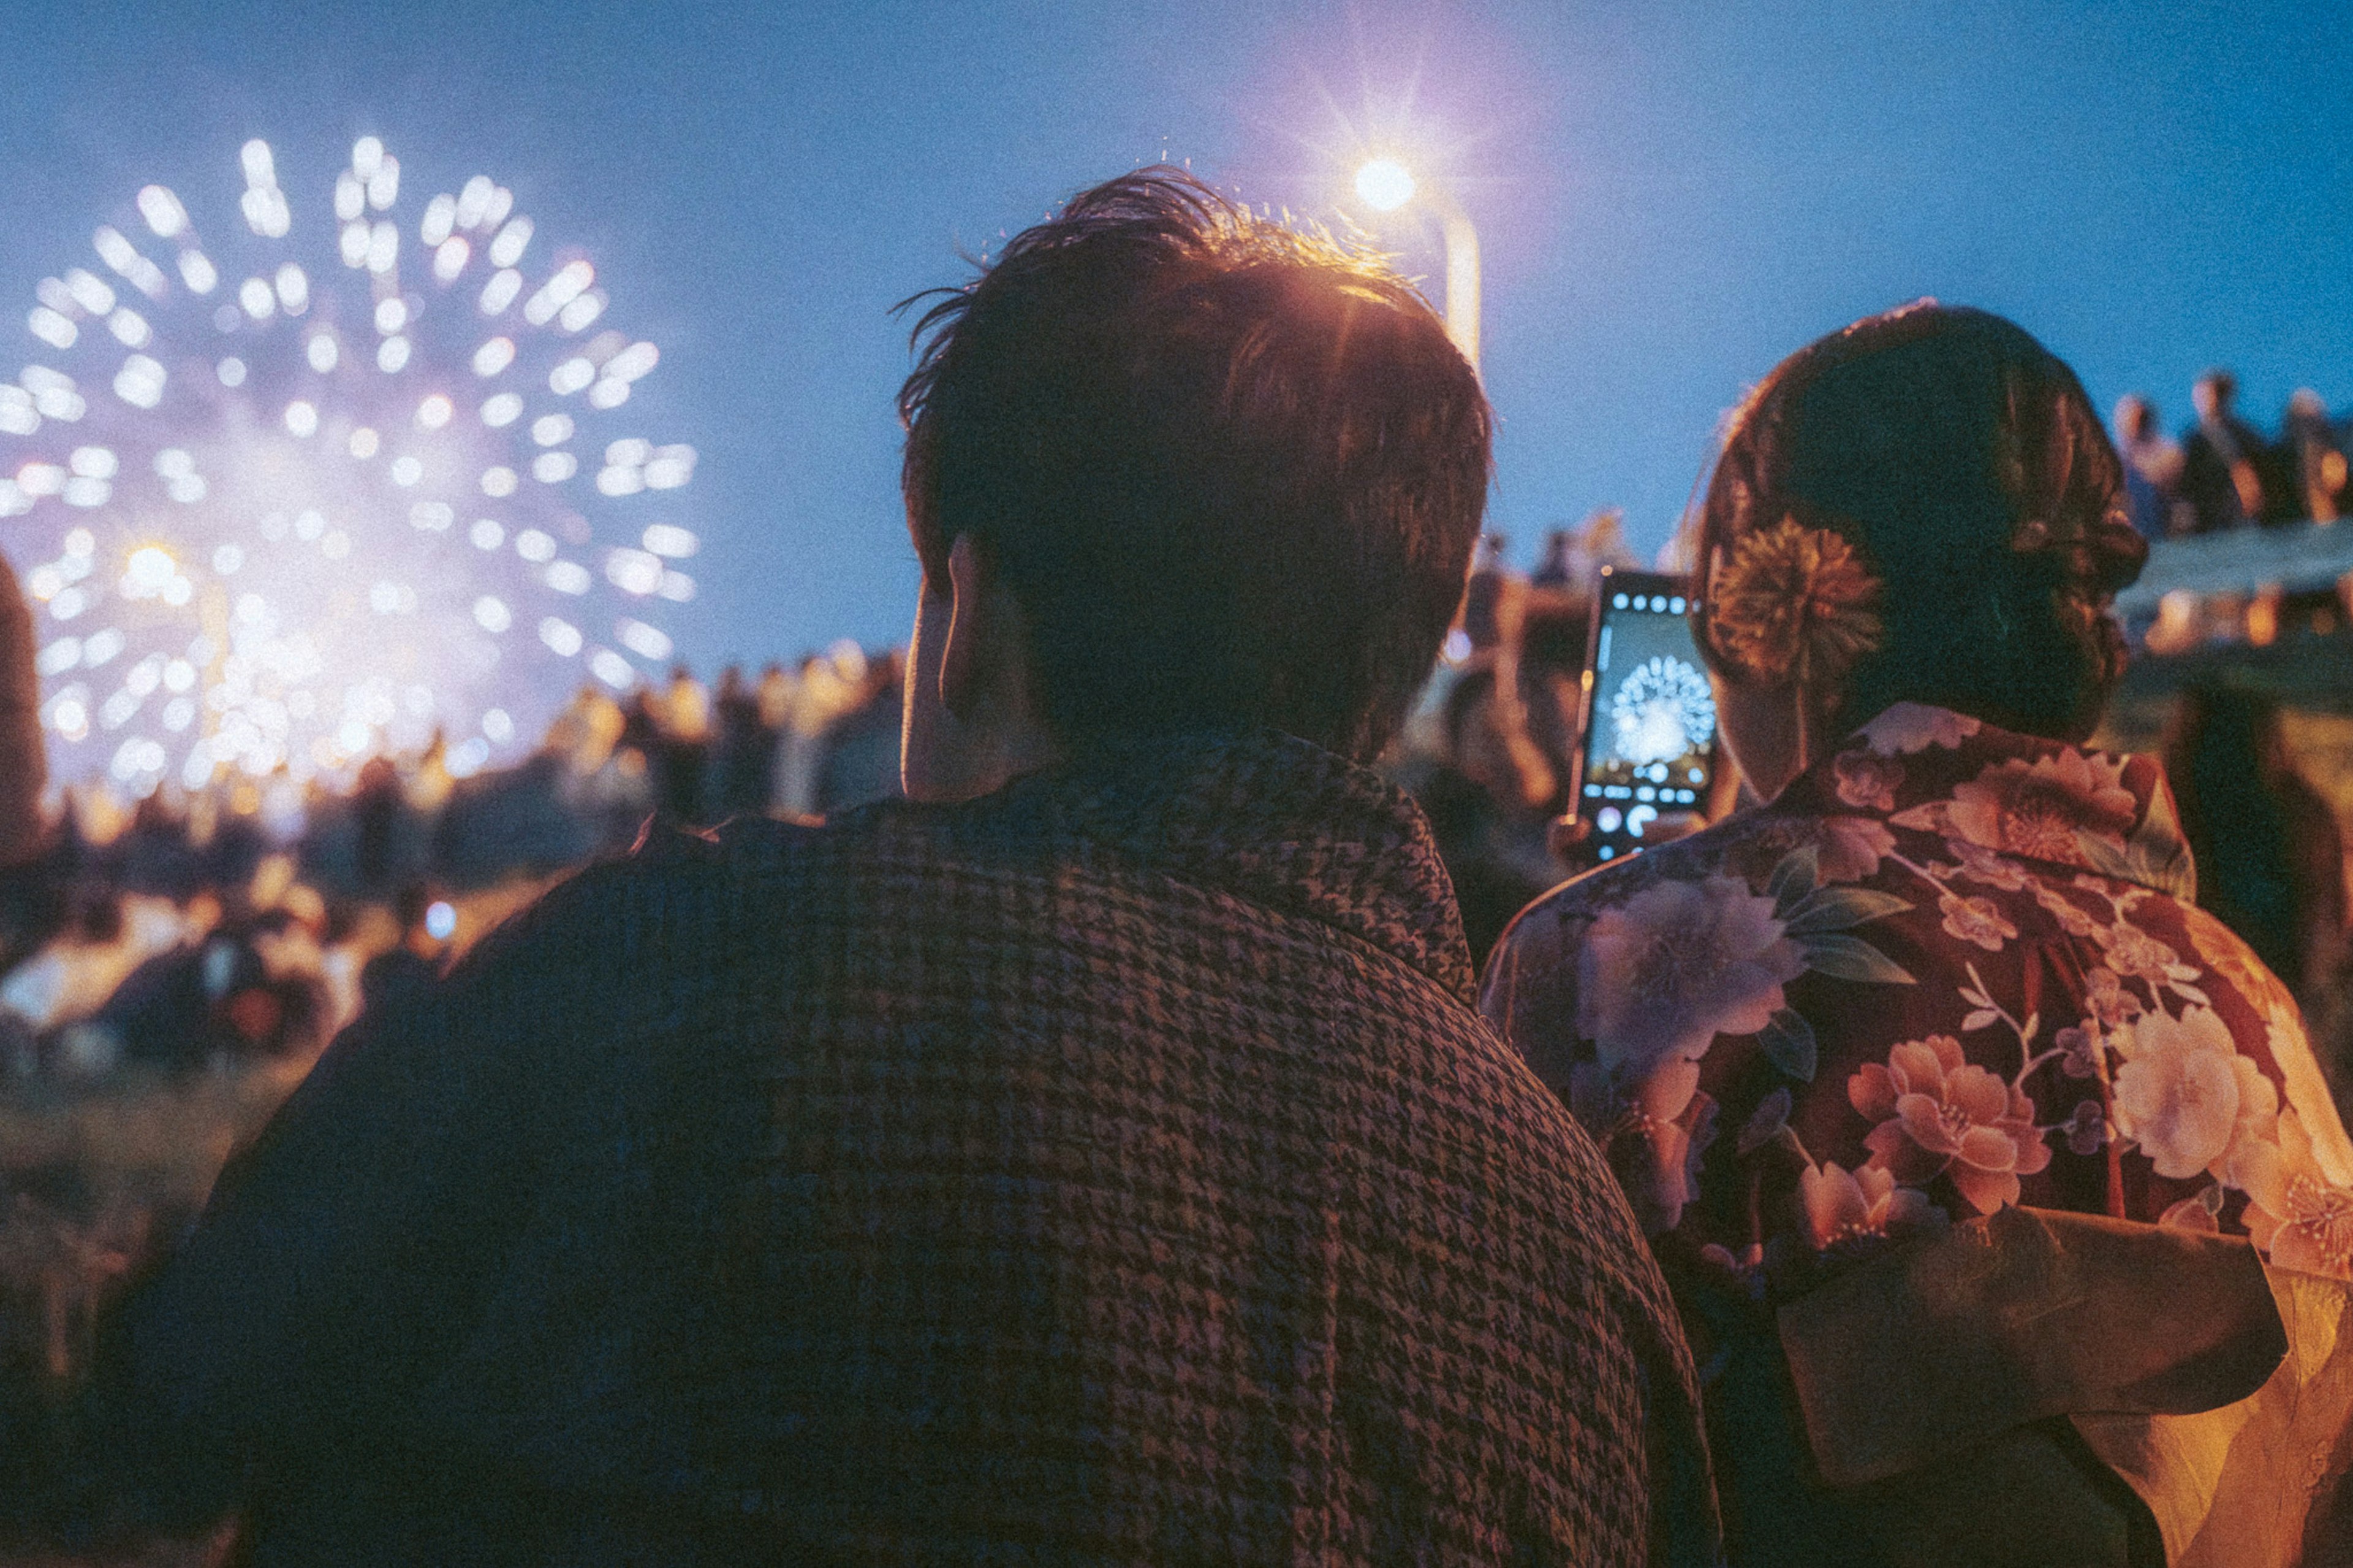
pixel 1385 184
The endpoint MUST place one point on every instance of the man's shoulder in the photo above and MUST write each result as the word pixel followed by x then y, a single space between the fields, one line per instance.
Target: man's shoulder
pixel 666 857
pixel 756 871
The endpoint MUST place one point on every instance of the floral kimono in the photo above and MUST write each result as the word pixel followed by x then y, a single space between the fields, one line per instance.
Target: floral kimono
pixel 1949 968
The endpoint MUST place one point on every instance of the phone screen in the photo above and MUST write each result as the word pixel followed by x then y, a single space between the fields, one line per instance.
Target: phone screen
pixel 1650 716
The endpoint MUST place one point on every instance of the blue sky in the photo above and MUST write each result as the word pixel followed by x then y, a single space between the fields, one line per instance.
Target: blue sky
pixel 1671 197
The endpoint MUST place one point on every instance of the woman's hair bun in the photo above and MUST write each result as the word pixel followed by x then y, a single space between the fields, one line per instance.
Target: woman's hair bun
pixel 1960 469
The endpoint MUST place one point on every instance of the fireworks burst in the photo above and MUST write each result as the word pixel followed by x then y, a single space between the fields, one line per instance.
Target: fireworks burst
pixel 1661 711
pixel 288 507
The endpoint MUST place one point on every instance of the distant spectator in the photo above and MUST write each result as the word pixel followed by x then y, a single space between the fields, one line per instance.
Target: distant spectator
pixel 410 965
pixel 1490 835
pixel 1558 566
pixel 1573 558
pixel 641 730
pixel 377 805
pixel 1487 603
pixel 775 698
pixel 22 767
pixel 860 762
pixel 2312 456
pixel 683 715
pixel 2269 857
pixel 2152 469
pixel 2219 477
pixel 200 1006
pixel 742 753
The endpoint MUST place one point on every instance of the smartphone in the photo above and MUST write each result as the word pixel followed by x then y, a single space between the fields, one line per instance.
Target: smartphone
pixel 1647 714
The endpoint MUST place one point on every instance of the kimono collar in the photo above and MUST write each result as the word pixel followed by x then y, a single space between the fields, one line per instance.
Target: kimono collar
pixel 1937 771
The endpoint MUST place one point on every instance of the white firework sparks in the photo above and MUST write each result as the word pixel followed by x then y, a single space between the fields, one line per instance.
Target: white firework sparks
pixel 1661 711
pixel 289 506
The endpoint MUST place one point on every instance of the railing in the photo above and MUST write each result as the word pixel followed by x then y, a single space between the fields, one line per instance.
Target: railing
pixel 2301 557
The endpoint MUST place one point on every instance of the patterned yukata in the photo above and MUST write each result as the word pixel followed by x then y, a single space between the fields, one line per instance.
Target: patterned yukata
pixel 1947 969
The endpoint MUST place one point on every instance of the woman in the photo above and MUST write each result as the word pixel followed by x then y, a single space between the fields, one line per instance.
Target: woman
pixel 1952 966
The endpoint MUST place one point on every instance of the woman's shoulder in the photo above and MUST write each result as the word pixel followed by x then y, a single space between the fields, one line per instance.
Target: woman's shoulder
pixel 1745 851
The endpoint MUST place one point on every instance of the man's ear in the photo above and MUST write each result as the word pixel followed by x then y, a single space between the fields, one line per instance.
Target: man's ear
pixel 968 657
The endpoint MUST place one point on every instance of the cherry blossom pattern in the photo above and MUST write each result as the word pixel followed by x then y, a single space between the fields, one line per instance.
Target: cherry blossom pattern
pixel 2295 1214
pixel 1843 1210
pixel 1866 780
pixel 2087 1128
pixel 2181 1091
pixel 1976 920
pixel 1851 848
pixel 1846 848
pixel 2134 953
pixel 1654 1131
pixel 2078 855
pixel 1938 1114
pixel 2072 918
pixel 2079 1051
pixel 2111 1007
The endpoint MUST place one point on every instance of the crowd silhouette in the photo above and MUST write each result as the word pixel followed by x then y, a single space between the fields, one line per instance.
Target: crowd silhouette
pixel 2222 473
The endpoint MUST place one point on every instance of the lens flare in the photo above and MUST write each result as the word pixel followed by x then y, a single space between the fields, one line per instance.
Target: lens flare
pixel 1384 184
pixel 261 472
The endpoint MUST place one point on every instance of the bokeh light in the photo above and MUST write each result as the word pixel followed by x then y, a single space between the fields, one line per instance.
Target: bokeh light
pixel 290 490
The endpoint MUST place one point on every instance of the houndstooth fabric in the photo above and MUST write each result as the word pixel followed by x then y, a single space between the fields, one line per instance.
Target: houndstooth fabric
pixel 1108 1171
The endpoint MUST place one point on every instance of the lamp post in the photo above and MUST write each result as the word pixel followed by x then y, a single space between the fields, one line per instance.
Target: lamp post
pixel 1385 184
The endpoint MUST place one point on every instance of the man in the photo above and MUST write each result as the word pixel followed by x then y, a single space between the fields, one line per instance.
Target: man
pixel 2219 479
pixel 24 769
pixel 1093 1158
pixel 2152 469
pixel 2312 453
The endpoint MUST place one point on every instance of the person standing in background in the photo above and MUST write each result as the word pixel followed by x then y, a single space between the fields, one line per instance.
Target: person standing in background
pixel 2313 457
pixel 741 754
pixel 2219 456
pixel 24 765
pixel 2152 469
pixel 2269 853
pixel 682 713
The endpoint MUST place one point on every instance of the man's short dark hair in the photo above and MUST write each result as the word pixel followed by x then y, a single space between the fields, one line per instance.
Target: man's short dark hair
pixel 1231 472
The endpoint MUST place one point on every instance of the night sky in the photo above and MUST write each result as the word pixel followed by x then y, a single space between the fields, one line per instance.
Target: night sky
pixel 1671 197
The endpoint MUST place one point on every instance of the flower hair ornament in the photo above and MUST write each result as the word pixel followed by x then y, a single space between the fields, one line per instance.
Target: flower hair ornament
pixel 1793 602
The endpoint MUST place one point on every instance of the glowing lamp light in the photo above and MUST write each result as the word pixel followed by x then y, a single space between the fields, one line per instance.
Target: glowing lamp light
pixel 1385 184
